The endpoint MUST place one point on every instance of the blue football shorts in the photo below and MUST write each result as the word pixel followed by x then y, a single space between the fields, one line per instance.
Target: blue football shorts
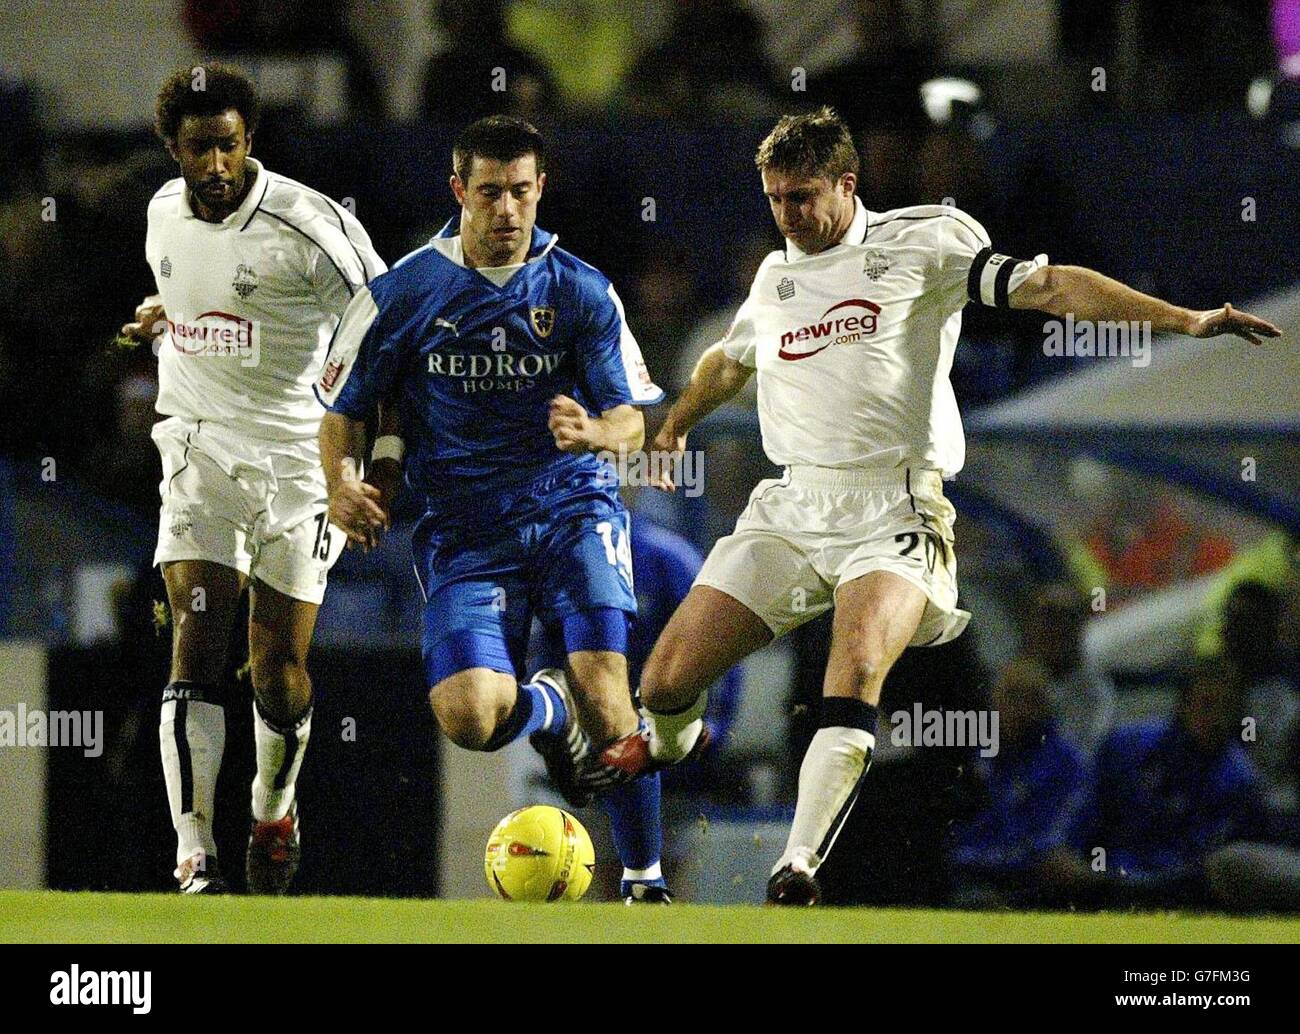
pixel 559 550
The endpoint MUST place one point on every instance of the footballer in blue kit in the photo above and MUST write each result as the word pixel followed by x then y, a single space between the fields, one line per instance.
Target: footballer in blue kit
pixel 507 365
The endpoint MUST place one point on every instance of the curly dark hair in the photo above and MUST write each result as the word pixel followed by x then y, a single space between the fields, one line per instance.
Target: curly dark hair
pixel 206 89
pixel 815 144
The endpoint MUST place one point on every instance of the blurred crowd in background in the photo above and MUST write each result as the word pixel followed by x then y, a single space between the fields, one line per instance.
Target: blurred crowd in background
pixel 1190 811
pixel 74 273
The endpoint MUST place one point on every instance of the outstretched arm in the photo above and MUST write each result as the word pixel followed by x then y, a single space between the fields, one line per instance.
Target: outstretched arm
pixel 1089 295
pixel 716 378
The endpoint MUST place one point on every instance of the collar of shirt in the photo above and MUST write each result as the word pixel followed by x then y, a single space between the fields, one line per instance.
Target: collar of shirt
pixel 448 243
pixel 855 234
pixel 241 214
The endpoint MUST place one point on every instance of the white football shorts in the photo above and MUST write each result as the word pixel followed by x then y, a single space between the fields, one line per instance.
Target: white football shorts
pixel 804 534
pixel 256 506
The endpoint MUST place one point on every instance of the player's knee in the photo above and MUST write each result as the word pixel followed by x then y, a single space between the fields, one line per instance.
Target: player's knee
pixel 867 664
pixel 468 722
pixel 278 673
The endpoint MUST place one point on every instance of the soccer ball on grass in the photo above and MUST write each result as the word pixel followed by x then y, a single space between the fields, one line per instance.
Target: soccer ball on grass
pixel 539 853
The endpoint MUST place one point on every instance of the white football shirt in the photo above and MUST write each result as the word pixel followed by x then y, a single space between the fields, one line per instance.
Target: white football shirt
pixel 252 303
pixel 853 346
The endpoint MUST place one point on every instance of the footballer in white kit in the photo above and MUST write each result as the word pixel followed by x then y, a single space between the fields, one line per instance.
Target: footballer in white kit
pixel 851 329
pixel 862 488
pixel 253 272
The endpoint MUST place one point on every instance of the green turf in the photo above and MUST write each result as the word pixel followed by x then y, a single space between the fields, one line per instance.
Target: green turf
pixel 59 917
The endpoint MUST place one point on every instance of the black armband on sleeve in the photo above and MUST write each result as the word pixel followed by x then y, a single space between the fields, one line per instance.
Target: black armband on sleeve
pixel 989 277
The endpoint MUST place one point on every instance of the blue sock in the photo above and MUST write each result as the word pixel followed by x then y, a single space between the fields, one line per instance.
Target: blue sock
pixel 531 714
pixel 637 825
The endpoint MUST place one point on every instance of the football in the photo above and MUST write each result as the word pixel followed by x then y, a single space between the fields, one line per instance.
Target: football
pixel 539 853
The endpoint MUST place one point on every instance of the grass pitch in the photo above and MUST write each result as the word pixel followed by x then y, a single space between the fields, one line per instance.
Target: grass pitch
pixel 53 917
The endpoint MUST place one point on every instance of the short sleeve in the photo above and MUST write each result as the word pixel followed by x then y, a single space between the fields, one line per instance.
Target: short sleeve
pixel 345 261
pixel 740 342
pixel 610 366
pixel 362 363
pixel 366 256
pixel 967 261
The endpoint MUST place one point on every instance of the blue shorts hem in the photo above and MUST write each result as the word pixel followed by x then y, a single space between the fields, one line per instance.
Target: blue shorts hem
pixel 460 651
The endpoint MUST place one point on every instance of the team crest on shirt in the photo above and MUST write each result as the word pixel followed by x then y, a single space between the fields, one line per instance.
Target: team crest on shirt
pixel 785 289
pixel 245 282
pixel 543 319
pixel 875 265
pixel 182 520
pixel 165 266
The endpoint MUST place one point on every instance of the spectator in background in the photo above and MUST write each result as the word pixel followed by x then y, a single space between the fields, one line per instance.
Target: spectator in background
pixel 710 65
pixel 1252 642
pixel 878 94
pixel 289 28
pixel 1263 875
pixel 1273 561
pixel 664 303
pixel 1033 794
pixel 22 237
pixel 1082 698
pixel 1216 46
pixel 24 136
pixel 1195 55
pixel 707 330
pixel 1140 540
pixel 61 270
pixel 123 465
pixel 482 73
pixel 588 45
pixel 734 464
pixel 880 85
pixel 1171 792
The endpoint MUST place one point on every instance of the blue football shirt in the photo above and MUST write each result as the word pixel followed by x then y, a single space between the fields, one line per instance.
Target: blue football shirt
pixel 472 358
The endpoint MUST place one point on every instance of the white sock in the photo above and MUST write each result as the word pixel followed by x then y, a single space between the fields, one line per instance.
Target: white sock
pixel 279 756
pixel 647 875
pixel 673 735
pixel 192 738
pixel 829 777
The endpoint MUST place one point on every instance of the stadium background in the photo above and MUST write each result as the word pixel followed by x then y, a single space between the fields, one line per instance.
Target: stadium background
pixel 1156 143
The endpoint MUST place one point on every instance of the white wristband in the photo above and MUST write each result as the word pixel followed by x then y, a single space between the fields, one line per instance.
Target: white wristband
pixel 388 447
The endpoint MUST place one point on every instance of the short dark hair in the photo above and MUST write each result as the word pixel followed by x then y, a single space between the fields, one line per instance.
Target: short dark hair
pixel 815 144
pixel 205 90
pixel 1258 593
pixel 502 138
